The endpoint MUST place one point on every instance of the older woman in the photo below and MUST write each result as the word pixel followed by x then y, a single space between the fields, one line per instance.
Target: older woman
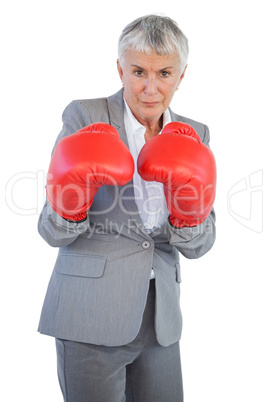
pixel 122 203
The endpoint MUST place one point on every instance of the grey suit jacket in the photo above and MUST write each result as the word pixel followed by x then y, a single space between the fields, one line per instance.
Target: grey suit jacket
pixel 98 288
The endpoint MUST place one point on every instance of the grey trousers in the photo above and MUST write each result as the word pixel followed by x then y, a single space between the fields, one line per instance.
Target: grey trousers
pixel 141 371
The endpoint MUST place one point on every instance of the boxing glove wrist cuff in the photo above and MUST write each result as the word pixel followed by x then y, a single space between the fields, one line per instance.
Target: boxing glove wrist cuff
pixel 70 215
pixel 75 219
pixel 181 223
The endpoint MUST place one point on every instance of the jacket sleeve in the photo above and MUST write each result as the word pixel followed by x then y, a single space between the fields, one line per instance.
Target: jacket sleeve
pixel 55 230
pixel 193 242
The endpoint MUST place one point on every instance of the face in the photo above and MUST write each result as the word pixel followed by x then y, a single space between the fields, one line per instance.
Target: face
pixel 150 82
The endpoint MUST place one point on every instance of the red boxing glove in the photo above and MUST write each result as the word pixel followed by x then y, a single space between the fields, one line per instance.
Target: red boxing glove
pixel 81 163
pixel 186 167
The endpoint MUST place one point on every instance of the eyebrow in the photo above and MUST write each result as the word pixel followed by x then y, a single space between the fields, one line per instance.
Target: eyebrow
pixel 141 68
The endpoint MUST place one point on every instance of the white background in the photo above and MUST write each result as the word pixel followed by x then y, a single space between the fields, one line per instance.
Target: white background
pixel 55 51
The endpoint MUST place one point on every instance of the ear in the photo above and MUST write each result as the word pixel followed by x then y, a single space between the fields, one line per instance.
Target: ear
pixel 182 76
pixel 120 70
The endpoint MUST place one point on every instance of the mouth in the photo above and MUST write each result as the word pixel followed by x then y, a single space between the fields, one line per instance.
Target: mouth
pixel 149 104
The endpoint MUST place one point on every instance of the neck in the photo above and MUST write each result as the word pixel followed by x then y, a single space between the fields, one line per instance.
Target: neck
pixel 152 127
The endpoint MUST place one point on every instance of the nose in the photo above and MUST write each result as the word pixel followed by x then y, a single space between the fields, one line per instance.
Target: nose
pixel 150 86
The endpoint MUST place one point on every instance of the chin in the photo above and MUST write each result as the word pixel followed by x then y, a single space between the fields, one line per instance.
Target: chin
pixel 153 113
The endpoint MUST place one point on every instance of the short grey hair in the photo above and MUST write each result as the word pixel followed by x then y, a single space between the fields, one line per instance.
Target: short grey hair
pixel 154 32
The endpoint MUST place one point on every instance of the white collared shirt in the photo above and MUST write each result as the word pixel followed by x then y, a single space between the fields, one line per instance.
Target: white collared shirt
pixel 149 196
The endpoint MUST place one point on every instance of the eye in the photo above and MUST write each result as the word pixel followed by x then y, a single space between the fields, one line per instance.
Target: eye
pixel 138 73
pixel 165 74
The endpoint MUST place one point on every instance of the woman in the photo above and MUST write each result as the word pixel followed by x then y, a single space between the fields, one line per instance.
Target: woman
pixel 113 299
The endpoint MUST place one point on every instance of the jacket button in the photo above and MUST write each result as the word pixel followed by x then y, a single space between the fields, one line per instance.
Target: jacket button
pixel 145 244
